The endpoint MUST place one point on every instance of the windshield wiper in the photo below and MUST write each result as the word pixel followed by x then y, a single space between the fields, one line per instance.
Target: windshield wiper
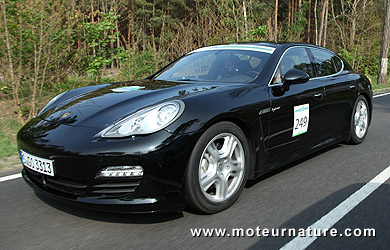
pixel 186 80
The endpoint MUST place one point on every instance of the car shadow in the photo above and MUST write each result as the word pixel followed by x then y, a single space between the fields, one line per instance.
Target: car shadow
pixel 381 105
pixel 371 213
pixel 151 218
pixel 251 183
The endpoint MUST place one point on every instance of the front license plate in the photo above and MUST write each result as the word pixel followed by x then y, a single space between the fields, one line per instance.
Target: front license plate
pixel 37 164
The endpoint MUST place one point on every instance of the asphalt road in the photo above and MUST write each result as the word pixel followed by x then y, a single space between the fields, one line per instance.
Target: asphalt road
pixel 293 197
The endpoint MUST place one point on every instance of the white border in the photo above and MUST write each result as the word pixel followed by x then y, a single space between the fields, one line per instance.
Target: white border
pixel 258 48
pixel 335 215
pixel 381 95
pixel 10 177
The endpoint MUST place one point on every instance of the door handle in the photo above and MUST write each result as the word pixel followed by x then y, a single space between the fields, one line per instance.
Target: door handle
pixel 352 87
pixel 318 96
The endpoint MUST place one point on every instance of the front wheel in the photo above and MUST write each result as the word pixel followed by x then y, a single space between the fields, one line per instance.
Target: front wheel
pixel 217 169
pixel 359 121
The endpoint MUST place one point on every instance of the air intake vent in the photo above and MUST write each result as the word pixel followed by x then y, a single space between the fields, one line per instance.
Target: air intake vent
pixel 116 189
pixel 57 183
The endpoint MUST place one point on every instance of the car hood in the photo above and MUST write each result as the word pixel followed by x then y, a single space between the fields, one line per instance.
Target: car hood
pixel 106 104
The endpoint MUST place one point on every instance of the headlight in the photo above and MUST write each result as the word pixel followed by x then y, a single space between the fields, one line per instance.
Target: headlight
pixel 51 102
pixel 120 171
pixel 146 121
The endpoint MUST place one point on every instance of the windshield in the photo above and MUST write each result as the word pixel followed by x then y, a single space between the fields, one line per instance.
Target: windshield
pixel 216 65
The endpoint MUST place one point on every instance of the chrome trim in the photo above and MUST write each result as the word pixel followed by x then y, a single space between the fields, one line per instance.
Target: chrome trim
pixel 264 111
pixel 250 47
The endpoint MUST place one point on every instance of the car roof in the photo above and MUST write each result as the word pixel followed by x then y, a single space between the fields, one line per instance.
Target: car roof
pixel 277 45
pixel 280 46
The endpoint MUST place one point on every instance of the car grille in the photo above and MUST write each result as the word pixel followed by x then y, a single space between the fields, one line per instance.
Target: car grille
pixel 101 189
pixel 116 189
pixel 57 183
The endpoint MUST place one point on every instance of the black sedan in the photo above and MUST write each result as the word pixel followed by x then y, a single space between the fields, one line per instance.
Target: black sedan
pixel 195 131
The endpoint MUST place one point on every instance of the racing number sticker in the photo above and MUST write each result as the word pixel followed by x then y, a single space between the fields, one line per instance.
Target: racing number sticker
pixel 301 119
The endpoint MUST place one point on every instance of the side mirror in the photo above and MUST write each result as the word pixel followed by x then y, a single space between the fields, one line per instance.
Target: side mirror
pixel 295 76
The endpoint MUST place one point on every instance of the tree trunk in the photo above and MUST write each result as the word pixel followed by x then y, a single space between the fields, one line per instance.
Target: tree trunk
pixel 289 12
pixel 382 74
pixel 236 21
pixel 295 10
pixel 322 25
pixel 353 24
pixel 316 21
pixel 292 11
pixel 270 33
pixel 117 33
pixel 276 21
pixel 245 19
pixel 325 23
pixel 341 30
pixel 152 31
pixel 38 48
pixel 309 23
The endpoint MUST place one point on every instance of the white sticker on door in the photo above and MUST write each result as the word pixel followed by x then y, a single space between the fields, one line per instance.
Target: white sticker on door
pixel 301 119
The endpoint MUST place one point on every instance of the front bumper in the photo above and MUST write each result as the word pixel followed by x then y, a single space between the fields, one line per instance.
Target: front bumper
pixel 170 201
pixel 162 155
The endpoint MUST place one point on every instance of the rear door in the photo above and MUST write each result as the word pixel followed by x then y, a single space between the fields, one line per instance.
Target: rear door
pixel 295 116
pixel 340 91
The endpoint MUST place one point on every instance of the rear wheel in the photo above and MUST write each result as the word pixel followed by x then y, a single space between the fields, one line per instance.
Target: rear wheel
pixel 217 169
pixel 359 121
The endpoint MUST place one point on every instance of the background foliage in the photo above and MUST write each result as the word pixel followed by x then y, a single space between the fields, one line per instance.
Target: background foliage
pixel 49 46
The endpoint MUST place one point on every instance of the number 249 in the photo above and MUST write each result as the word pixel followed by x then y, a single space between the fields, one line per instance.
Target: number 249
pixel 300 122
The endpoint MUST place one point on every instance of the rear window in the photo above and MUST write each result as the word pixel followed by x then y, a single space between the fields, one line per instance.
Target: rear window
pixel 326 63
pixel 338 63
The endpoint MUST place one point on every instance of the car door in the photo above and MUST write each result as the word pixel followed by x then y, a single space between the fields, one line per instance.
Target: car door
pixel 295 114
pixel 340 91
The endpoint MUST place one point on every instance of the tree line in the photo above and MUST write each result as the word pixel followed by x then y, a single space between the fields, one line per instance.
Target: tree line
pixel 45 43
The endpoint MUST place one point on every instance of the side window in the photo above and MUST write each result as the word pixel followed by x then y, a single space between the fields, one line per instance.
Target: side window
pixel 338 63
pixel 294 58
pixel 325 62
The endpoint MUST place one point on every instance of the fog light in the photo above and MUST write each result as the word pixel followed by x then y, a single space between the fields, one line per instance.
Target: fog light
pixel 121 171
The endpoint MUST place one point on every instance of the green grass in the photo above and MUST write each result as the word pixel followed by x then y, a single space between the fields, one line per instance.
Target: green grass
pixel 378 88
pixel 8 130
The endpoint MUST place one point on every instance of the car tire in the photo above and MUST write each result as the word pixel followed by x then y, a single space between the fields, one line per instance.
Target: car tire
pixel 217 169
pixel 359 121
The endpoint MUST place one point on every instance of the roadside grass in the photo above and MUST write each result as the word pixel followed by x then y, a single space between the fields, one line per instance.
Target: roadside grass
pixel 379 89
pixel 8 147
pixel 8 130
